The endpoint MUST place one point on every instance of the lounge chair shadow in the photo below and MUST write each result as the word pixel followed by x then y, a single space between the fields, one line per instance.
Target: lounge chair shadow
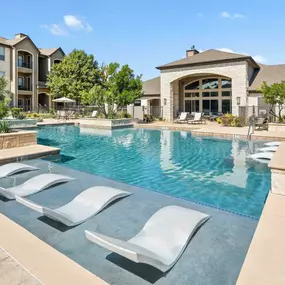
pixel 4 199
pixel 144 271
pixel 57 225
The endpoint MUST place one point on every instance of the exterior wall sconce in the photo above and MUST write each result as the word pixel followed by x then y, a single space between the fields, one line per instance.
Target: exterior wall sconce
pixel 165 101
pixel 238 101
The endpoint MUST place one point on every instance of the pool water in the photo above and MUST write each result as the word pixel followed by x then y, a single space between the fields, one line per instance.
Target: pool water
pixel 203 169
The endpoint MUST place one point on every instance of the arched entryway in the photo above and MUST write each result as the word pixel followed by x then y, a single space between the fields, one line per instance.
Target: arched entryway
pixel 43 100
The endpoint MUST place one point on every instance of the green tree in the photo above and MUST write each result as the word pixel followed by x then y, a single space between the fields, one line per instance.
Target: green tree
pixel 118 88
pixel 274 95
pixel 4 92
pixel 76 74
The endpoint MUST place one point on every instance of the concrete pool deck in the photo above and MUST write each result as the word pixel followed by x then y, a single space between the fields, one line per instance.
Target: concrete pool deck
pixel 214 255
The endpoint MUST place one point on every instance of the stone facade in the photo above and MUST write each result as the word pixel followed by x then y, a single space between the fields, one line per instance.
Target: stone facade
pixel 237 71
pixel 19 139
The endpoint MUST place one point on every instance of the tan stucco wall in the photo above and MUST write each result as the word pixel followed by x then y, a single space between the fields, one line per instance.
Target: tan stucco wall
pixel 6 64
pixel 237 71
pixel 57 55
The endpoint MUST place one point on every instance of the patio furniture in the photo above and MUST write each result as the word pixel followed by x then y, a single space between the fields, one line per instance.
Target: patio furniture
pixel 197 119
pixel 162 240
pixel 182 118
pixel 269 149
pixel 94 114
pixel 84 206
pixel 15 167
pixel 262 155
pixel 261 124
pixel 70 115
pixel 273 144
pixel 34 185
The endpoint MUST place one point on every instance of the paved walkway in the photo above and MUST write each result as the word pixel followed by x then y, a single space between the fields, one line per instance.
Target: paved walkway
pixel 12 273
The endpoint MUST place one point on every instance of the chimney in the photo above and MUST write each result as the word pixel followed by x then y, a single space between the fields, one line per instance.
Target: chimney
pixel 20 35
pixel 191 52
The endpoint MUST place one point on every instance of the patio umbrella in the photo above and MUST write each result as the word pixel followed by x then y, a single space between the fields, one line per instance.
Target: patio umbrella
pixel 64 100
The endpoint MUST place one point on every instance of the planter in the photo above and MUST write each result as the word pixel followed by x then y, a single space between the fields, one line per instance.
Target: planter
pixel 276 127
pixel 25 123
pixel 18 139
pixel 107 123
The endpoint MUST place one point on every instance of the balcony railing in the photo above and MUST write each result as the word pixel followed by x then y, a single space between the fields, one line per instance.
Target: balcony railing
pixel 25 64
pixel 24 88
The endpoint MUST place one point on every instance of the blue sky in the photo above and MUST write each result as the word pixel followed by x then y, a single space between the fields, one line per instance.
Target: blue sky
pixel 148 33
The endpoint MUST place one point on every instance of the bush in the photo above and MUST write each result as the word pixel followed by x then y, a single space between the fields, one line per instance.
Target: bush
pixel 4 109
pixel 230 120
pixel 16 112
pixel 33 115
pixel 5 127
pixel 147 118
pixel 160 119
pixel 123 115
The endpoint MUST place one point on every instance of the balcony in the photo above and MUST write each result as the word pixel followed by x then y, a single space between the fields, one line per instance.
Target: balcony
pixel 25 90
pixel 25 64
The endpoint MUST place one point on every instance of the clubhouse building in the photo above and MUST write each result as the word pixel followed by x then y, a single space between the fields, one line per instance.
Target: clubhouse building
pixel 210 81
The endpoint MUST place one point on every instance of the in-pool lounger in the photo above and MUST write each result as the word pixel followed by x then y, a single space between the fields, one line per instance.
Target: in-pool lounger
pixel 84 206
pixel 13 168
pixel 273 144
pixel 162 240
pixel 269 149
pixel 267 156
pixel 34 185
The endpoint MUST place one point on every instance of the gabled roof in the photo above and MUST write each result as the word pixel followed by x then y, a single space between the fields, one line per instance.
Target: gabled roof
pixel 269 73
pixel 16 41
pixel 50 51
pixel 152 86
pixel 209 56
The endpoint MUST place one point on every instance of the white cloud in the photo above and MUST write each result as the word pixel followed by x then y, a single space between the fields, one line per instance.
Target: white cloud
pixel 56 29
pixel 231 16
pixel 258 58
pixel 76 23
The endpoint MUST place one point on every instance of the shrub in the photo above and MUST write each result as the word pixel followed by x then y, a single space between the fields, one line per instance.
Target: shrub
pixel 160 119
pixel 5 127
pixel 16 112
pixel 33 115
pixel 232 121
pixel 147 118
pixel 122 115
pixel 237 122
pixel 4 109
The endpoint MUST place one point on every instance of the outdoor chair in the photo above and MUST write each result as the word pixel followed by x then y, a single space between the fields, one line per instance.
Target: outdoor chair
pixel 84 206
pixel 197 119
pixel 14 168
pixel 34 185
pixel 182 118
pixel 262 124
pixel 162 240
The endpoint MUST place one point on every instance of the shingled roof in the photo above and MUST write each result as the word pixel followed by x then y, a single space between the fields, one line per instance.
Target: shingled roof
pixel 209 56
pixel 152 86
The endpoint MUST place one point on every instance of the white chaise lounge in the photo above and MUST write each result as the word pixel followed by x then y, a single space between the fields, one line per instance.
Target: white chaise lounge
pixel 34 185
pixel 182 118
pixel 162 240
pixel 273 144
pixel 84 206
pixel 14 168
pixel 197 119
pixel 269 149
pixel 266 156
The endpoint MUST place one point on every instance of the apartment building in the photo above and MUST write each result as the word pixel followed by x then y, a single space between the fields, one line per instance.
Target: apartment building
pixel 26 67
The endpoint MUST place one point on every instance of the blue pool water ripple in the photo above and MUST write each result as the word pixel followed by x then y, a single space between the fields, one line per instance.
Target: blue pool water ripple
pixel 206 170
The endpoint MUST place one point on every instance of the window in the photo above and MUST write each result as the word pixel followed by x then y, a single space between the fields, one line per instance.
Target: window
pixel 192 95
pixel 226 106
pixel 226 83
pixel 20 81
pixel 2 53
pixel 20 60
pixel 226 93
pixel 193 86
pixel 211 83
pixel 2 73
pixel 138 103
pixel 206 94
pixel 192 106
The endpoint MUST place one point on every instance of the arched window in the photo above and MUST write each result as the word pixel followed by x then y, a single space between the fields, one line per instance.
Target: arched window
pixel 211 83
pixel 193 86
pixel 226 83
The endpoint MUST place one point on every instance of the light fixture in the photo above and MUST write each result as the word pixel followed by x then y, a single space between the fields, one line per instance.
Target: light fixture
pixel 238 101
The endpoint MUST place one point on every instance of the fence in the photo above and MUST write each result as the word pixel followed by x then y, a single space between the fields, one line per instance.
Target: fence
pixel 247 112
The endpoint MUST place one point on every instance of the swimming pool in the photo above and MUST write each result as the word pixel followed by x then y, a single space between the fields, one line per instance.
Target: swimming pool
pixel 206 170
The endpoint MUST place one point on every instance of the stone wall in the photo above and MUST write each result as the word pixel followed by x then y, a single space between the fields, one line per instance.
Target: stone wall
pixel 237 71
pixel 19 139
